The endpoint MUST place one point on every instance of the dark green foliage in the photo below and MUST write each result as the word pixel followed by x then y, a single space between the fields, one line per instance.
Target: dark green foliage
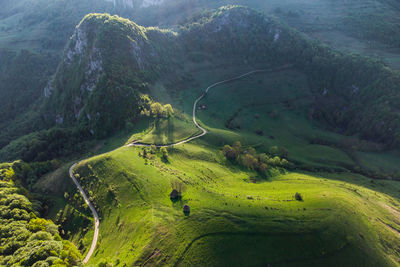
pixel 298 196
pixel 381 26
pixel 25 239
pixel 106 68
pixel 164 153
pixel 258 162
pixel 99 87
pixel 23 76
pixel 232 153
pixel 46 145
pixel 343 84
pixel 29 173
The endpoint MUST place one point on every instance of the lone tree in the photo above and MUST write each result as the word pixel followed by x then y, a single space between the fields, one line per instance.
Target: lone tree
pixel 186 209
pixel 159 111
pixel 232 153
pixel 229 152
pixel 174 195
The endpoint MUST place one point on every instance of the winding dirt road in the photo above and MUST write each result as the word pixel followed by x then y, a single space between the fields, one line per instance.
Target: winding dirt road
pixel 204 131
pixel 94 212
pixel 137 143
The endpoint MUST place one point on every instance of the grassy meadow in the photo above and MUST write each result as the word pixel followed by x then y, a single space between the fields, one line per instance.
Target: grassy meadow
pixel 166 131
pixel 236 217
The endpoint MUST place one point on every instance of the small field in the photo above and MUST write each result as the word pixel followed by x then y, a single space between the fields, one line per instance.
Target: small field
pixel 167 131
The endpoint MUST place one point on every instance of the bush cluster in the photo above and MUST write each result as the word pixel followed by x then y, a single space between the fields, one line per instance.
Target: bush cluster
pixel 250 159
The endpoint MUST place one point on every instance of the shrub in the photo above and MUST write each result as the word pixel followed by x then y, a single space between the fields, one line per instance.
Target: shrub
pixel 229 152
pixel 164 153
pixel 298 196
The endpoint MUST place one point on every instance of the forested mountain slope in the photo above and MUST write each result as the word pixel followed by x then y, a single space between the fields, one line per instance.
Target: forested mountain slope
pixel 43 27
pixel 100 82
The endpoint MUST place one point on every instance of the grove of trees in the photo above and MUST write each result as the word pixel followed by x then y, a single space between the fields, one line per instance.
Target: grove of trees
pixel 25 238
pixel 250 159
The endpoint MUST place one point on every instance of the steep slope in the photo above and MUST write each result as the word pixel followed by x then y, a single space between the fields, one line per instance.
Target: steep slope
pixel 106 66
pixel 110 63
pixel 35 33
pixel 44 26
pixel 353 94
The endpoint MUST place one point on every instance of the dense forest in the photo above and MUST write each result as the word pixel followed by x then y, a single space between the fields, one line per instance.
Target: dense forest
pixel 25 238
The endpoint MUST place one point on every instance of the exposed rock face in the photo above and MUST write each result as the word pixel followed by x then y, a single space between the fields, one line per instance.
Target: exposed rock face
pixel 123 3
pixel 149 3
pixel 93 70
pixel 48 89
pixel 78 45
pixel 109 58
pixel 135 3
pixel 104 65
pixel 232 17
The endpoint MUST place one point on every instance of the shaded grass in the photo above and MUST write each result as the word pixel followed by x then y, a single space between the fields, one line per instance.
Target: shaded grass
pixel 168 131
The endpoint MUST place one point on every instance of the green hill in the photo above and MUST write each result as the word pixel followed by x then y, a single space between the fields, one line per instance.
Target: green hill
pixel 35 32
pixel 236 217
pixel 316 127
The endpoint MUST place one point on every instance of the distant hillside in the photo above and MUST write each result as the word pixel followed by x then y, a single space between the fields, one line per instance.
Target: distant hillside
pixel 43 27
pixel 110 62
pixel 109 57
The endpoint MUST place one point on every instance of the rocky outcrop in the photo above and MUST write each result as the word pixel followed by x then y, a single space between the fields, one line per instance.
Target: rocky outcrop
pixel 130 4
pixel 105 64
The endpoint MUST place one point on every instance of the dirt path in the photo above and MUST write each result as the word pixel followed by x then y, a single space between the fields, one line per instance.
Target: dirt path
pixel 95 215
pixel 204 131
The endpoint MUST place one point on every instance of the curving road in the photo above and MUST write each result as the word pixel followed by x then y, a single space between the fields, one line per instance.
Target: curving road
pixel 137 143
pixel 95 215
pixel 204 131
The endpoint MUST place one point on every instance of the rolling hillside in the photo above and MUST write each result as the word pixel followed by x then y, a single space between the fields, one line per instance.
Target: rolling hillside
pixel 236 217
pixel 296 164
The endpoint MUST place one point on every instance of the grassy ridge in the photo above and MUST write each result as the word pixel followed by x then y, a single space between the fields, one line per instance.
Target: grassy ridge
pixel 140 224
